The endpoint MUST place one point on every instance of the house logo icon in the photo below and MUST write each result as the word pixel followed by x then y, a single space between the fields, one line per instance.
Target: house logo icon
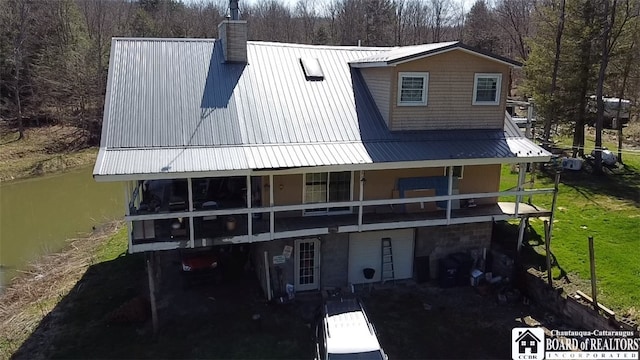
pixel 527 344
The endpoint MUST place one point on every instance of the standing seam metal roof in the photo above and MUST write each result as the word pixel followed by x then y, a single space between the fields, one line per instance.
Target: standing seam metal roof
pixel 173 105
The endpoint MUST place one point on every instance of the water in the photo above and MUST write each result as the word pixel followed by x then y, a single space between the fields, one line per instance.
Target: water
pixel 37 215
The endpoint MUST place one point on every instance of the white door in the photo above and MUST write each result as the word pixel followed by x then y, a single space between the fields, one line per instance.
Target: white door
pixel 365 251
pixel 307 264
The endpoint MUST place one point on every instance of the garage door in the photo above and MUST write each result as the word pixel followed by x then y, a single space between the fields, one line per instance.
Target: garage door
pixel 365 252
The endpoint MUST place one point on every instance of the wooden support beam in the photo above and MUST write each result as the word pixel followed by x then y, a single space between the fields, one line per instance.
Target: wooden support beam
pixel 272 220
pixel 592 266
pixel 267 275
pixel 528 133
pixel 547 248
pixel 556 185
pixel 152 292
pixel 521 229
pixel 606 310
pixel 127 212
pixel 249 214
pixel 361 198
pixel 449 193
pixel 191 232
pixel 522 173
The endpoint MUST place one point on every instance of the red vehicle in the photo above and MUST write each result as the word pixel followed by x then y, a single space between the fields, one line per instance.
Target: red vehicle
pixel 201 267
pixel 199 261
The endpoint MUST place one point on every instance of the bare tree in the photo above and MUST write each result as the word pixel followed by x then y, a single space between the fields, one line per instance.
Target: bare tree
pixel 305 13
pixel 554 75
pixel 514 17
pixel 441 13
pixel 19 15
pixel 270 20
pixel 612 29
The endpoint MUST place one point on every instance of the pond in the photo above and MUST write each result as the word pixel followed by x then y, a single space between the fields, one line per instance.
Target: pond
pixel 38 215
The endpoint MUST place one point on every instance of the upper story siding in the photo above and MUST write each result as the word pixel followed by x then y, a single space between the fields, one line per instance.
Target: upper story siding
pixel 379 83
pixel 450 93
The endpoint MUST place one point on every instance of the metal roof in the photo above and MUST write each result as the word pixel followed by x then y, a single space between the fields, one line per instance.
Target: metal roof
pixel 174 106
pixel 406 53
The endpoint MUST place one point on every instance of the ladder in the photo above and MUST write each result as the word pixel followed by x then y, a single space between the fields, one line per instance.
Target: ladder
pixel 387 260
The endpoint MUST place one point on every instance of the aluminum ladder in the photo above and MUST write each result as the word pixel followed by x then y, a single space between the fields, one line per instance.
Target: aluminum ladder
pixel 387 260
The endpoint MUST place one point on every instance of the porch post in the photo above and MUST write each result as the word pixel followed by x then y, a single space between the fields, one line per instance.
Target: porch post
pixel 272 220
pixel 553 202
pixel 152 291
pixel 532 171
pixel 127 212
pixel 191 235
pixel 360 197
pixel 522 172
pixel 521 228
pixel 249 215
pixel 449 192
pixel 527 132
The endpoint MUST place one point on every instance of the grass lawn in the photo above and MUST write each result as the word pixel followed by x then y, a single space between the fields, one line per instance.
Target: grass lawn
pixel 606 207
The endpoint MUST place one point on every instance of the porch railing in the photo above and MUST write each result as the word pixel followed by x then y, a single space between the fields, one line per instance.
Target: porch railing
pixel 249 234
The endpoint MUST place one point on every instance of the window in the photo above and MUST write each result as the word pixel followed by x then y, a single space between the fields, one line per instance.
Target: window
pixel 413 88
pixel 486 89
pixel 457 171
pixel 327 187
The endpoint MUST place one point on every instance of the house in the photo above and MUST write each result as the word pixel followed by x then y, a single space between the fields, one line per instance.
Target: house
pixel 311 154
pixel 527 342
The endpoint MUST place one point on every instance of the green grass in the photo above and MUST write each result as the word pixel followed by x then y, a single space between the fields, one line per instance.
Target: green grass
pixel 113 247
pixel 606 207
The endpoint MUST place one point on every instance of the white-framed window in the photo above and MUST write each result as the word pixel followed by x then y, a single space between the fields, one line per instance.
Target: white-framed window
pixel 486 89
pixel 413 88
pixel 458 171
pixel 328 187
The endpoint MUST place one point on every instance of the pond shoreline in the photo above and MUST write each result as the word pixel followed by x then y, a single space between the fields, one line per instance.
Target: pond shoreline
pixel 43 151
pixel 35 292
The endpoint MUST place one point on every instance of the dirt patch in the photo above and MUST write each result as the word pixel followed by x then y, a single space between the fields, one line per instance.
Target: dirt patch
pixel 425 321
pixel 230 319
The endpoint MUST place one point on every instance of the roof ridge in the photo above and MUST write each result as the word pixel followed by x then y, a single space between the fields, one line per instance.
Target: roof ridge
pixel 163 39
pixel 327 47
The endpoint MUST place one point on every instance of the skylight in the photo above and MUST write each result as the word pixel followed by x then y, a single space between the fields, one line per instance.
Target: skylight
pixel 312 69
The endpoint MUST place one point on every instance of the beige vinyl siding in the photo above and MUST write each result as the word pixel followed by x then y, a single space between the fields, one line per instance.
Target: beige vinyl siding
pixel 378 81
pixel 380 184
pixel 480 178
pixel 287 189
pixel 451 78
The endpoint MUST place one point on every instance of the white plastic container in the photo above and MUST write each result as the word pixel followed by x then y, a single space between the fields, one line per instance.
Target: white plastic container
pixel 571 164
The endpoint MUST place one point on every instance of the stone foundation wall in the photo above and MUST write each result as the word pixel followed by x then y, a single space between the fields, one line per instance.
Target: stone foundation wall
pixel 578 313
pixel 439 241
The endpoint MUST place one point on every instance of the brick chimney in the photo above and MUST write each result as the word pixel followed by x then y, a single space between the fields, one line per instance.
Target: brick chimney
pixel 233 33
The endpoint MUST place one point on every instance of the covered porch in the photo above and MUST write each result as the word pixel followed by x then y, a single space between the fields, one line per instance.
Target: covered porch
pixel 199 226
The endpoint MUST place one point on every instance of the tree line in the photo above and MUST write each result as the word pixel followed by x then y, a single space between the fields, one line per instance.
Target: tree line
pixel 54 54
